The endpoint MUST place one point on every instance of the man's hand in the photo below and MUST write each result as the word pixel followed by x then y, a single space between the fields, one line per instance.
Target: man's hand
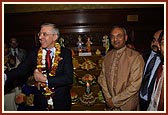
pixel 20 98
pixel 110 103
pixel 38 76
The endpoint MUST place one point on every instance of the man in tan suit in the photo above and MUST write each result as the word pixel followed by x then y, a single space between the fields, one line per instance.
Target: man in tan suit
pixel 121 74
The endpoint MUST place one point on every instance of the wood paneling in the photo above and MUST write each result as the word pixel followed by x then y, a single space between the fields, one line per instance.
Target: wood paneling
pixel 90 22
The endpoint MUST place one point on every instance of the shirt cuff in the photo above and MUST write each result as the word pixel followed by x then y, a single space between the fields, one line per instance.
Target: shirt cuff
pixel 5 78
pixel 47 82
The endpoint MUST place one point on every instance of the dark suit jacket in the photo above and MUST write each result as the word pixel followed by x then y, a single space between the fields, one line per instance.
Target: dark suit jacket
pixel 146 55
pixel 21 54
pixel 61 81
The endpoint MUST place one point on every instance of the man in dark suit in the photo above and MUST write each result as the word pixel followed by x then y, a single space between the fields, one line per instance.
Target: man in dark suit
pixel 16 51
pixel 15 56
pixel 148 81
pixel 157 97
pixel 57 75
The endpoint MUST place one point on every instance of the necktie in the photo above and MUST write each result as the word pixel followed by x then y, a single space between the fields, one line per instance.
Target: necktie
pixel 145 81
pixel 15 54
pixel 48 59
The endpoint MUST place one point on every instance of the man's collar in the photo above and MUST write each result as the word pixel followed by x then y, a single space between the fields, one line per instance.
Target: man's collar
pixel 14 49
pixel 121 50
pixel 52 50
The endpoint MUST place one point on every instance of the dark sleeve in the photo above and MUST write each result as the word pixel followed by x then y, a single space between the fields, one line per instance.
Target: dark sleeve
pixel 64 73
pixel 24 54
pixel 23 71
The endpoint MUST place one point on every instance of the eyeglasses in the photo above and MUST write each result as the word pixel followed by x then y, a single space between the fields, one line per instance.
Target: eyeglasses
pixel 44 34
pixel 118 36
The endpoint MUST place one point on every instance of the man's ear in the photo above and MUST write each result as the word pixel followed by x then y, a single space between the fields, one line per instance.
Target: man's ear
pixel 159 47
pixel 126 38
pixel 55 37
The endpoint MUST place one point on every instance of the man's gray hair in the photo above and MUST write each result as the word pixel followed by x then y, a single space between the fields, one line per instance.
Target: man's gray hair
pixel 55 29
pixel 121 27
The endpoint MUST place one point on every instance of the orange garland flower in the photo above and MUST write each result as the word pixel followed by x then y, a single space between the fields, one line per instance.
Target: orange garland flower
pixel 41 64
pixel 41 60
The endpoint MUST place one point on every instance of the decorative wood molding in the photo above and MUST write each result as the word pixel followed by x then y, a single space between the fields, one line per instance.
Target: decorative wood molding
pixel 94 23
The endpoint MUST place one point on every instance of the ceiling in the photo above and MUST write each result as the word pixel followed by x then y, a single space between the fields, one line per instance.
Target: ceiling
pixel 36 7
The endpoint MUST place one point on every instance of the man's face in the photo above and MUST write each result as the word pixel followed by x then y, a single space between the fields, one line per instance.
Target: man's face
pixel 154 43
pixel 118 38
pixel 13 43
pixel 46 37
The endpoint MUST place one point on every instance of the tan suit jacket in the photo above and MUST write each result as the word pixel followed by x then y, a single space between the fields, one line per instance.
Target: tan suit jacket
pixel 121 78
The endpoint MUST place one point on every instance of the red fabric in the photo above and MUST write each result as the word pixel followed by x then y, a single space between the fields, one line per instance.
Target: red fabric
pixel 161 102
pixel 48 59
pixel 159 73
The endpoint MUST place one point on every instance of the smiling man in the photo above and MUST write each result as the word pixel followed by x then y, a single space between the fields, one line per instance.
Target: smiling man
pixel 149 75
pixel 51 65
pixel 121 74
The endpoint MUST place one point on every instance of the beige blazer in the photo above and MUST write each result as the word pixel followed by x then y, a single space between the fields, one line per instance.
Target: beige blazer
pixel 121 78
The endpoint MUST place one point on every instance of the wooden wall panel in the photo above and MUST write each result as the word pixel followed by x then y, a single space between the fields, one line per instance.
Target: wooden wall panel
pixel 85 22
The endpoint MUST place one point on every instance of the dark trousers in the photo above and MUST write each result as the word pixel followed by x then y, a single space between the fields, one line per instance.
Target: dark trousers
pixel 143 104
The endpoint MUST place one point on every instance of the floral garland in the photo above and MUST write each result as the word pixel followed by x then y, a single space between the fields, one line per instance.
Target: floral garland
pixel 41 60
pixel 41 66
